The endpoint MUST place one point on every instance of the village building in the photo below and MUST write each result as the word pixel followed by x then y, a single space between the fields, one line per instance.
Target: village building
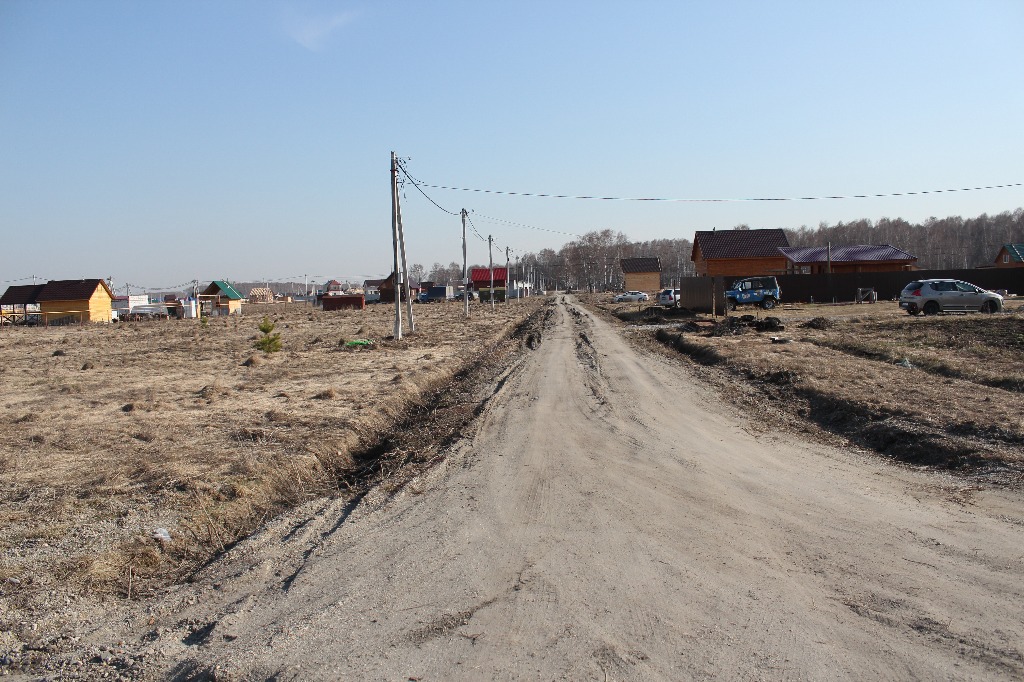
pixel 261 295
pixel 480 278
pixel 816 260
pixel 1010 256
pixel 641 274
pixel 220 298
pixel 63 301
pixel 739 253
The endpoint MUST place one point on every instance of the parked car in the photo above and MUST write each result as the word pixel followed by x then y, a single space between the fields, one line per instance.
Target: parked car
pixel 763 291
pixel 668 297
pixel 631 296
pixel 933 296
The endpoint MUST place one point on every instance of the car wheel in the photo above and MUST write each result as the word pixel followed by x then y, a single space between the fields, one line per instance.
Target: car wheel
pixel 989 307
pixel 931 308
pixel 768 303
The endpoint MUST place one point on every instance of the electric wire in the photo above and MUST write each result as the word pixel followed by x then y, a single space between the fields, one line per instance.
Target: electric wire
pixel 716 200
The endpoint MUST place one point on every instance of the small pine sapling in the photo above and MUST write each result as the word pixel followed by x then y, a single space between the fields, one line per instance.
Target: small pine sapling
pixel 268 343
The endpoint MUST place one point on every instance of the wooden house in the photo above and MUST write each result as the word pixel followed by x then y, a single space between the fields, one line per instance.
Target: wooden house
pixel 641 274
pixel 739 253
pixel 220 298
pixel 816 260
pixel 261 295
pixel 1010 256
pixel 78 300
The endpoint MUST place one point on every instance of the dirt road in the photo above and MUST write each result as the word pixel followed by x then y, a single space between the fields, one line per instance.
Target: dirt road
pixel 610 519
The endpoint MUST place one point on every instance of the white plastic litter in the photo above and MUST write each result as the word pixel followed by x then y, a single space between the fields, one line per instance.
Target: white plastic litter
pixel 162 534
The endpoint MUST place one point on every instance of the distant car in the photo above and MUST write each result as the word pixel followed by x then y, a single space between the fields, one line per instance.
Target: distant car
pixel 933 296
pixel 631 297
pixel 668 297
pixel 762 291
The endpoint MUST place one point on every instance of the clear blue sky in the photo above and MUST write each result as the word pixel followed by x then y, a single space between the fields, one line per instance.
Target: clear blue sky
pixel 162 141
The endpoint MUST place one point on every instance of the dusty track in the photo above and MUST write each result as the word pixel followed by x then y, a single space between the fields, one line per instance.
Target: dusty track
pixel 609 519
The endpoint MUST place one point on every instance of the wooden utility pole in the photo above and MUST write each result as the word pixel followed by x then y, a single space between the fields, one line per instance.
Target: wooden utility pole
pixel 394 235
pixel 405 265
pixel 490 264
pixel 465 265
pixel 508 278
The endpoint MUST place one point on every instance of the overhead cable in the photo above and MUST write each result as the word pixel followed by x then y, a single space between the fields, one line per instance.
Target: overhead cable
pixel 723 200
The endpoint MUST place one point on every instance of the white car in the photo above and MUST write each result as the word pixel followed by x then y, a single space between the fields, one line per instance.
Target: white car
pixel 631 297
pixel 668 297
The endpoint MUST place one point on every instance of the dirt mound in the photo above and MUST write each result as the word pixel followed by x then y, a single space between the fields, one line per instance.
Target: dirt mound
pixel 818 323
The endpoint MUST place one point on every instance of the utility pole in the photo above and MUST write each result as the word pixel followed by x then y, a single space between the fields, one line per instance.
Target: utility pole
pixel 407 286
pixel 394 235
pixel 305 290
pixel 465 271
pixel 490 264
pixel 508 275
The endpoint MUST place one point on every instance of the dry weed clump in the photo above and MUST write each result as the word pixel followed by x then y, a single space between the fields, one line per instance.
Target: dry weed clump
pixel 168 431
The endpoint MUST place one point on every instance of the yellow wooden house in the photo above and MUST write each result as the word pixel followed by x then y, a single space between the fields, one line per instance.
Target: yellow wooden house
pixel 78 300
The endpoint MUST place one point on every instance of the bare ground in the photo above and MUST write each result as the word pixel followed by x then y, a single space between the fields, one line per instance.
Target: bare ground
pixel 608 516
pixel 114 431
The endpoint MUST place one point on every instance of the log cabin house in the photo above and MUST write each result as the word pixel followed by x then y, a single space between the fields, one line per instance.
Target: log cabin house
pixel 641 274
pixel 220 298
pixel 739 253
pixel 63 301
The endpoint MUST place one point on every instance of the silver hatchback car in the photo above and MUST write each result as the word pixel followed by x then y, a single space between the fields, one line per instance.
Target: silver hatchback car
pixel 932 296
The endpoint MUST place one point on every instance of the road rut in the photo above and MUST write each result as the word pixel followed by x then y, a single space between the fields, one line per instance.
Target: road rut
pixel 610 518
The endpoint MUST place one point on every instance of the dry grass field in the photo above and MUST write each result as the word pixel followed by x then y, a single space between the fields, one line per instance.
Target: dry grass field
pixel 944 391
pixel 112 432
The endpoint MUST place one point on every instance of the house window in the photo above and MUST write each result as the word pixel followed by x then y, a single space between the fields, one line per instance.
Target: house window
pixel 1006 258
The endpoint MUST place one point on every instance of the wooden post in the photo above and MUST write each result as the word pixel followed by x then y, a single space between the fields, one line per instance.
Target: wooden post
pixel 394 235
pixel 465 271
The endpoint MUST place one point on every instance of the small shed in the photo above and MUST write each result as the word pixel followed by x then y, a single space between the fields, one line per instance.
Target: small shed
pixel 343 302
pixel 739 253
pixel 641 274
pixel 817 260
pixel 220 298
pixel 480 278
pixel 1010 256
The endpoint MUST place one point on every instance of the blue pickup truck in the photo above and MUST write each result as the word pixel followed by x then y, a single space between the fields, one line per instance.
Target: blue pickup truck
pixel 762 291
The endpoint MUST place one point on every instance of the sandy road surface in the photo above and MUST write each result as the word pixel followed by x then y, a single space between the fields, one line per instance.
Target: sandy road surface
pixel 610 519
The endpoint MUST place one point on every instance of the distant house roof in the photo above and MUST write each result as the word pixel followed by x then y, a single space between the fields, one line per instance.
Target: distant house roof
pixel 739 243
pixel 225 288
pixel 22 294
pixel 484 275
pixel 1016 252
pixel 630 265
pixel 859 253
pixel 372 283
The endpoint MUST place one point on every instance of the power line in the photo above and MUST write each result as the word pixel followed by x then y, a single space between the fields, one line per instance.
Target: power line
pixel 724 200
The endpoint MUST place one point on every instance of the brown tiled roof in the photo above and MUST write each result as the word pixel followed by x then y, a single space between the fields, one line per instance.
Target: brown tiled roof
pixel 483 275
pixel 630 265
pixel 846 254
pixel 739 243
pixel 70 290
pixel 23 294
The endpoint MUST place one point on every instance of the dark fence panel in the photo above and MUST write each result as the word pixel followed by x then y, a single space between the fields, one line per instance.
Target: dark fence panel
pixel 843 287
pixel 696 293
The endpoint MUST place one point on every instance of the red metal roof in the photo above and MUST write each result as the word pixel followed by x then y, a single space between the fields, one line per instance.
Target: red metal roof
pixel 630 265
pixel 739 243
pixel 484 275
pixel 858 253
